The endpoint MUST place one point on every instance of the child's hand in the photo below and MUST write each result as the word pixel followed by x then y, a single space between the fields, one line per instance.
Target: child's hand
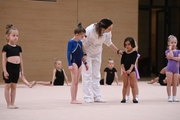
pixel 170 55
pixel 122 70
pixel 128 71
pixel 170 47
pixel 6 75
pixel 119 52
pixel 84 58
pixel 87 67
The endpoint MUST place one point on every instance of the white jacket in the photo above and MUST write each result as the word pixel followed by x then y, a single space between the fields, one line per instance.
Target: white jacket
pixel 92 43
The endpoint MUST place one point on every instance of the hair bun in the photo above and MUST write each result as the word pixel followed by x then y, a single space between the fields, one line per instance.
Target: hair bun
pixel 79 25
pixel 8 26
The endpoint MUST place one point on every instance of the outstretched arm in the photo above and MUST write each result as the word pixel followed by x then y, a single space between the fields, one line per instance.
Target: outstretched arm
pixel 114 48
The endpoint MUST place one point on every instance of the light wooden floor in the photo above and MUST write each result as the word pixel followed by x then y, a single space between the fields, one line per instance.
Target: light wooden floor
pixel 53 103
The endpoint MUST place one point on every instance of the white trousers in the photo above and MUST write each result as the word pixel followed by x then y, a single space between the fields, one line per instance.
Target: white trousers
pixel 91 78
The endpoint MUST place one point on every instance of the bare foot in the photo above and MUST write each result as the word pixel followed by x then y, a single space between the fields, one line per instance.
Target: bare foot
pixel 150 82
pixel 32 84
pixel 12 107
pixel 75 102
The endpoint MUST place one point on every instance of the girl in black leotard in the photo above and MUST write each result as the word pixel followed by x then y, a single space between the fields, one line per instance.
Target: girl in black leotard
pixel 127 64
pixel 59 76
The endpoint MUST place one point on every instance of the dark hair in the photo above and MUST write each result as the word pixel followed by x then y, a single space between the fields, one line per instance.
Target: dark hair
pixel 79 29
pixel 131 40
pixel 9 28
pixel 104 23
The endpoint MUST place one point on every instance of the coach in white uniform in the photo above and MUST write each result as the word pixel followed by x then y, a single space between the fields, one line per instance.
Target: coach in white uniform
pixel 96 35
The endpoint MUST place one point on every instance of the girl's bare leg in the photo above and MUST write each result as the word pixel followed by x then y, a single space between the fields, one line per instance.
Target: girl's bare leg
pixel 133 83
pixel 13 94
pixel 153 81
pixel 78 77
pixel 174 83
pixel 169 77
pixel 128 90
pixel 7 94
pixel 137 89
pixel 10 93
pixel 26 82
pixel 43 83
pixel 178 82
pixel 33 84
pixel 74 85
pixel 125 84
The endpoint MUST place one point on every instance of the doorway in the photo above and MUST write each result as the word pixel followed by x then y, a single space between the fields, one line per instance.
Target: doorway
pixel 156 23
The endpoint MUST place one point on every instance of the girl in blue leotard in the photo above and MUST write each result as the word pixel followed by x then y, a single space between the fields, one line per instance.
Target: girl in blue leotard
pixel 75 58
pixel 172 69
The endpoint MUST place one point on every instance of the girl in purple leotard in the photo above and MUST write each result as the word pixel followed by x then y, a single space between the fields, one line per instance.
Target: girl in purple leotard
pixel 172 70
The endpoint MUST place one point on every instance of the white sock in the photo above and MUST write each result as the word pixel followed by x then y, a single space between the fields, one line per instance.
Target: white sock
pixel 169 97
pixel 127 97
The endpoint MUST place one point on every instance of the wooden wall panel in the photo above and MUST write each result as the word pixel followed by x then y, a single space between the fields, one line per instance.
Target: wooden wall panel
pixel 45 28
pixel 123 13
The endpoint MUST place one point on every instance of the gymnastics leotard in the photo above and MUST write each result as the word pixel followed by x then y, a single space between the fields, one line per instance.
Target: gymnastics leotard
pixel 109 77
pixel 74 52
pixel 59 77
pixel 128 59
pixel 173 65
